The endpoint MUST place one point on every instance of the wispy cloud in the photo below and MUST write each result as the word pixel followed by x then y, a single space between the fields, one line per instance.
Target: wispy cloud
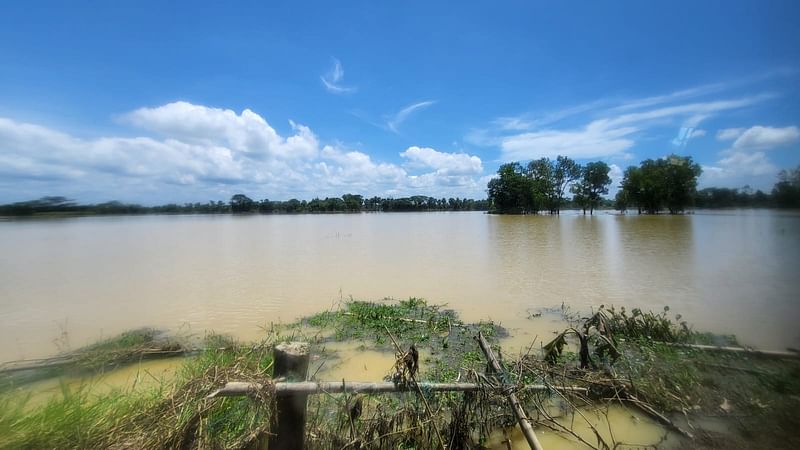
pixel 395 121
pixel 332 80
pixel 610 127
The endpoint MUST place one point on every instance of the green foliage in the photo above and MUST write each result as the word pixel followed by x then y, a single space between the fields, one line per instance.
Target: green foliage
pixel 538 186
pixel 669 183
pixel 512 191
pixel 410 319
pixel 593 184
pixel 787 190
pixel 241 203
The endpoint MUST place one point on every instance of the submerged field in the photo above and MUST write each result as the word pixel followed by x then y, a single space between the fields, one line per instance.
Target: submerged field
pixel 634 382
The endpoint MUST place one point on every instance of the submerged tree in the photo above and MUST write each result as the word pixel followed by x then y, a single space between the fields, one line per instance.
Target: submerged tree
pixel 669 183
pixel 511 192
pixel 787 190
pixel 592 186
pixel 565 172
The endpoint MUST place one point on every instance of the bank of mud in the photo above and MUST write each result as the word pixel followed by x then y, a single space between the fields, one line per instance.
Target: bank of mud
pixel 636 385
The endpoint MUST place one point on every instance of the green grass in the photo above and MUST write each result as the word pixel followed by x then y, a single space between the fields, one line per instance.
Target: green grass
pixel 166 416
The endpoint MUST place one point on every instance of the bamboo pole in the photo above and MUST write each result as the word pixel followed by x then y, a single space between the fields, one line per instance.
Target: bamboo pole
pixel 239 388
pixel 522 417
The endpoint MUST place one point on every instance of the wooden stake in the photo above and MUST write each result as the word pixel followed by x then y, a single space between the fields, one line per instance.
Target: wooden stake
pixel 288 424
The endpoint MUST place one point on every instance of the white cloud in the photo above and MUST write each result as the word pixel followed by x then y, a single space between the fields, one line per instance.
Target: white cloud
pixel 746 158
pixel 609 136
pixel 616 174
pixel 332 80
pixel 443 163
pixel 608 132
pixel 759 137
pixel 740 168
pixel 201 152
pixel 404 113
pixel 729 134
pixel 593 141
pixel 247 132
pixel 697 132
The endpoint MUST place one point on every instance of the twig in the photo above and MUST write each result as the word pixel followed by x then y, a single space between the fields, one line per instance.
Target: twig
pixel 419 391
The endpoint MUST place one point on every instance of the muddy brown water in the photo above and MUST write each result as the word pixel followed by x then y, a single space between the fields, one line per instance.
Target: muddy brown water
pixel 65 283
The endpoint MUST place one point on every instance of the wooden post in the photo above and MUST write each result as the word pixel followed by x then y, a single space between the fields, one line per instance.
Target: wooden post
pixel 288 424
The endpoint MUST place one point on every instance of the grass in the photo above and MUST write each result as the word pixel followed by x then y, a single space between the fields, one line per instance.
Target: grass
pixel 170 415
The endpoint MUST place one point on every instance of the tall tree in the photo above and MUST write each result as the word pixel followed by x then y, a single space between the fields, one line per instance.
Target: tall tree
pixel 787 190
pixel 565 172
pixel 593 184
pixel 540 173
pixel 511 191
pixel 680 176
pixel 241 203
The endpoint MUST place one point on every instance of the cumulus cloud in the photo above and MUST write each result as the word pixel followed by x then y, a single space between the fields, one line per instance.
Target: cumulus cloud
pixel 443 163
pixel 739 168
pixel 197 152
pixel 747 155
pixel 332 80
pixel 245 132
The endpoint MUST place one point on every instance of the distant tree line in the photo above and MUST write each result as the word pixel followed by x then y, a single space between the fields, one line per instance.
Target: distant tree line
pixel 241 204
pixel 655 185
pixel 542 184
pixel 356 203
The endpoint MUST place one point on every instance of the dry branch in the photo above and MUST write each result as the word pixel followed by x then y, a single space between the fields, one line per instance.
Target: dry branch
pixel 239 388
pixel 516 406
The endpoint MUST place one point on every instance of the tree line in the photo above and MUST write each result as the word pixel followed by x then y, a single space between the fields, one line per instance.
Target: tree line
pixel 664 184
pixel 242 204
pixel 542 185
pixel 655 185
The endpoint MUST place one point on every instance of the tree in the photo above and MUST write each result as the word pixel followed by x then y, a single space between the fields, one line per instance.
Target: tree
pixel 680 176
pixel 565 172
pixel 511 192
pixel 663 183
pixel 594 183
pixel 353 203
pixel 540 174
pixel 241 203
pixel 787 190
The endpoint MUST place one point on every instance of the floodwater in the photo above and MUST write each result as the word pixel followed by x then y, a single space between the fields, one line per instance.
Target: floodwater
pixel 618 426
pixel 65 283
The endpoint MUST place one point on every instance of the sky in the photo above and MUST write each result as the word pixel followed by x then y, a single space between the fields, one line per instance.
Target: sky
pixel 157 102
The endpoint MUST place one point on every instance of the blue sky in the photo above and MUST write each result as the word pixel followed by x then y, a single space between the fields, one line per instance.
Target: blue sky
pixel 195 101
